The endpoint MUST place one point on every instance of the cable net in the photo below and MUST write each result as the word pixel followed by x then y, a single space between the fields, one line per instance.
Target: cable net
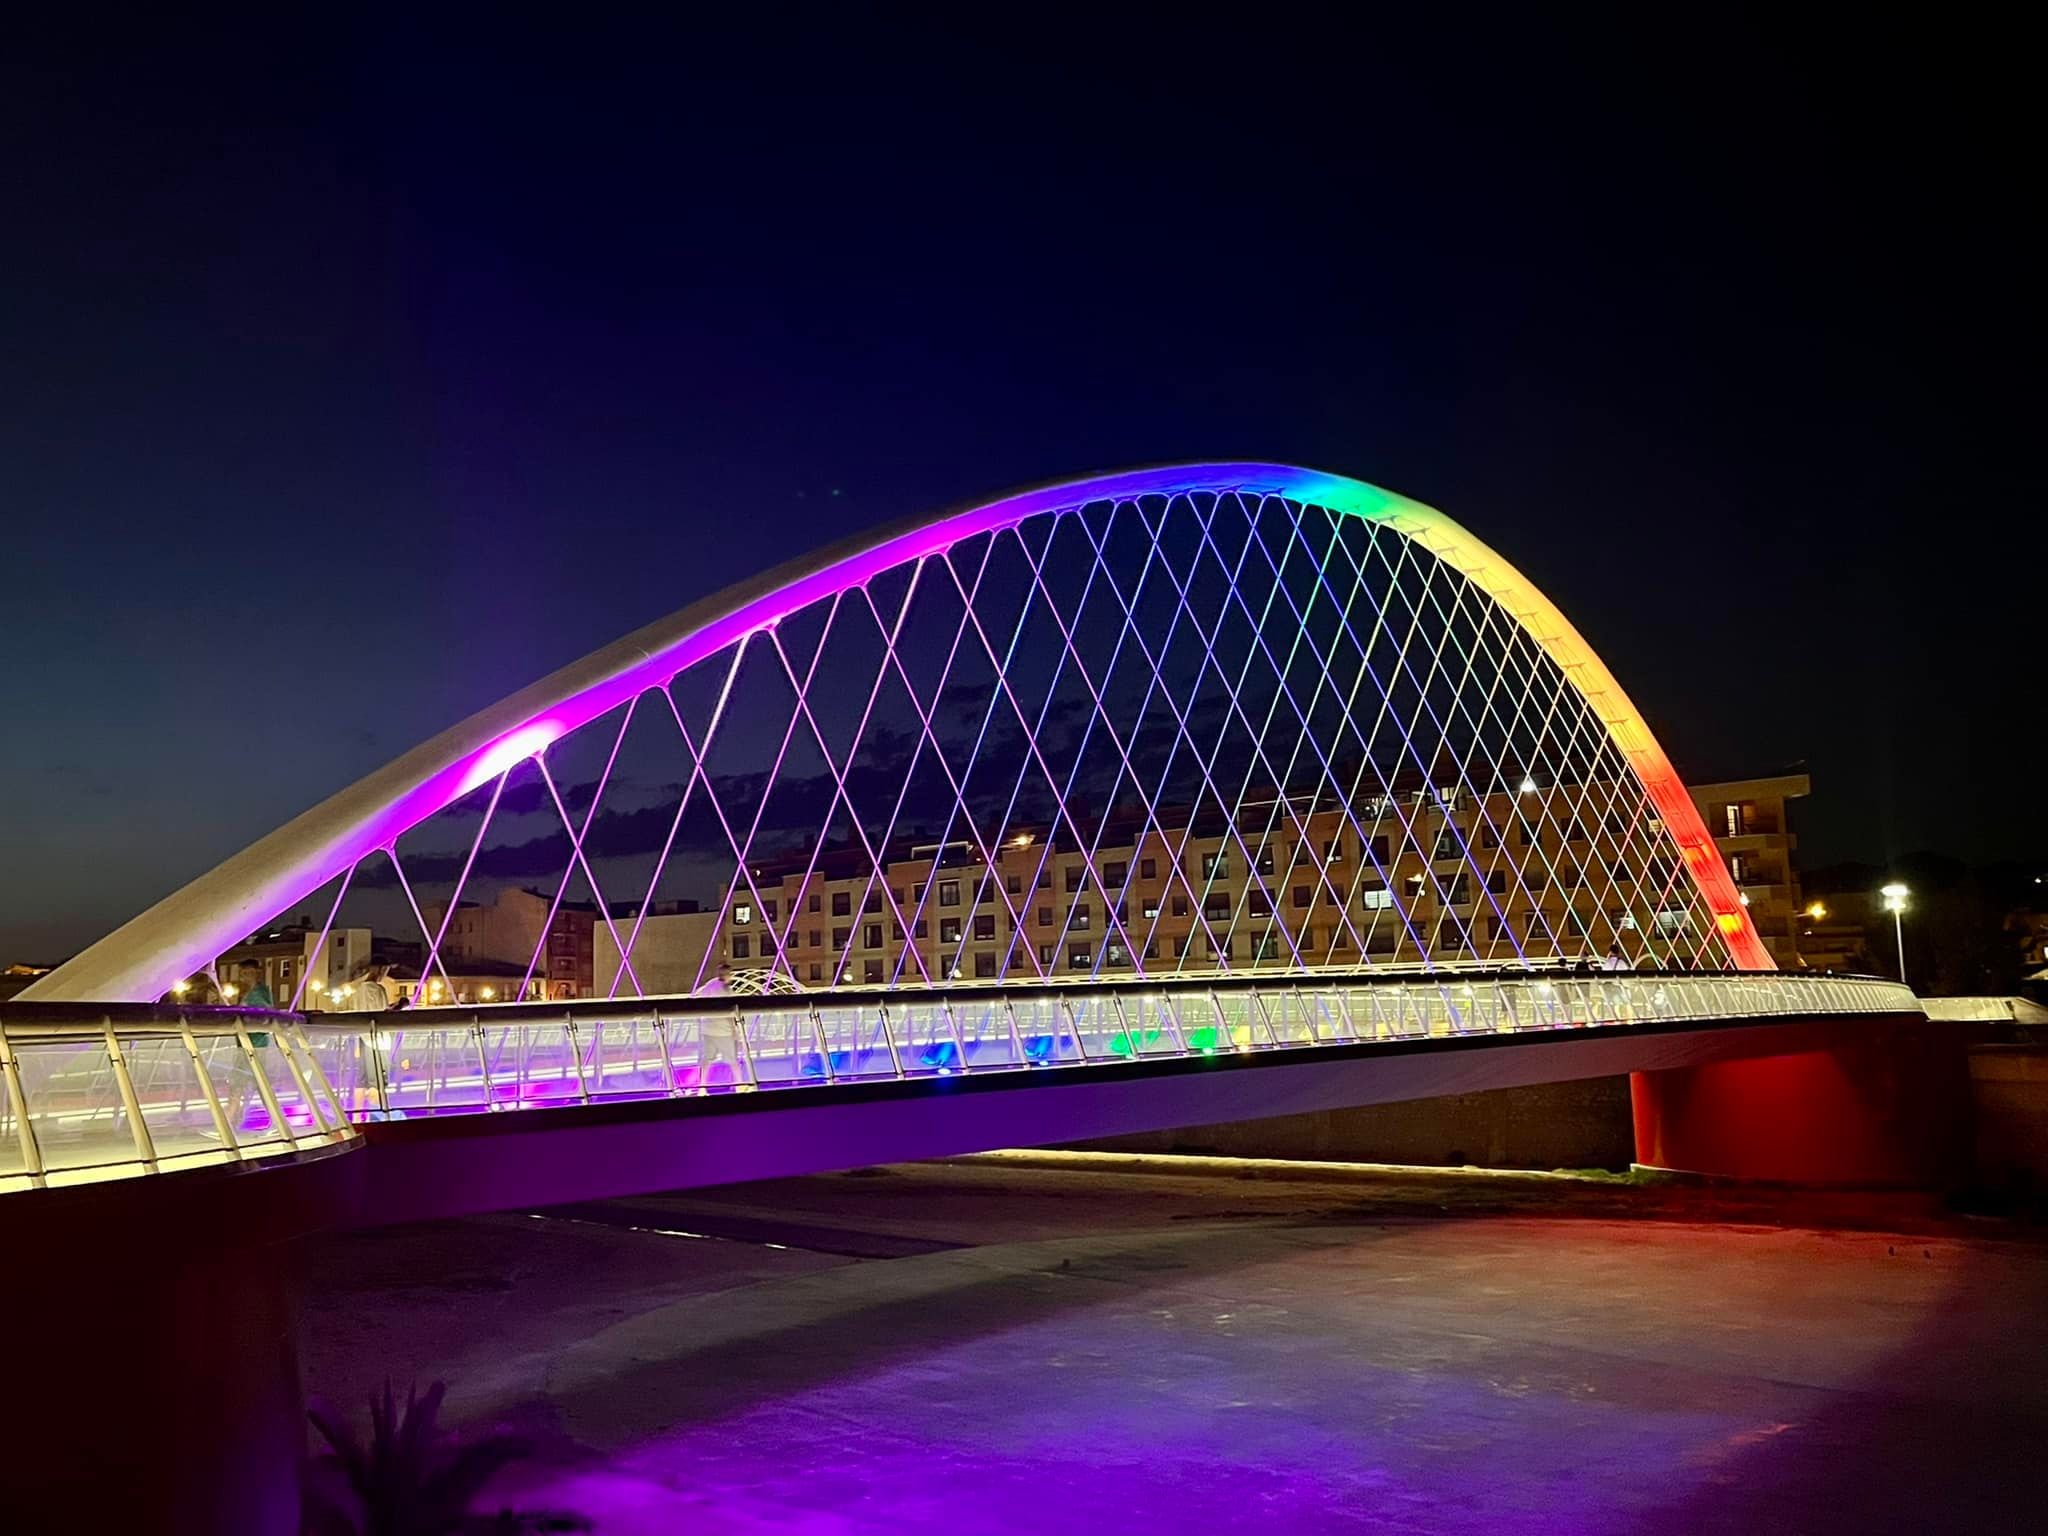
pixel 1159 736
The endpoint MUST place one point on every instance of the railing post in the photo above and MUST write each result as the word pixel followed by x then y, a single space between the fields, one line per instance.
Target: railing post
pixel 746 1055
pixel 291 1060
pixel 268 1093
pixel 138 1131
pixel 25 1133
pixel 483 1064
pixel 221 1128
pixel 824 1046
pixel 668 1062
pixel 889 1039
pixel 576 1057
pixel 1016 1035
pixel 1066 1012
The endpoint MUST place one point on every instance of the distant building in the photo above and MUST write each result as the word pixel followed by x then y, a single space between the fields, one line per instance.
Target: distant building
pixel 1403 894
pixel 495 943
pixel 18 976
pixel 296 963
pixel 1750 825
pixel 669 944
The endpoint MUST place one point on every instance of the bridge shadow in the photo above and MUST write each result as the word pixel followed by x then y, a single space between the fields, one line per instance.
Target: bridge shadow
pixel 1943 1434
pixel 715 1356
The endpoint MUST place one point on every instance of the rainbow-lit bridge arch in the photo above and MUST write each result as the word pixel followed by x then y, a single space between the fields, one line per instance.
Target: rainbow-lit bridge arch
pixel 1253 715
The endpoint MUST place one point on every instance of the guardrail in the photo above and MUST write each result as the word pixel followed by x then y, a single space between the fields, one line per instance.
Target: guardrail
pixel 112 1091
pixel 91 1092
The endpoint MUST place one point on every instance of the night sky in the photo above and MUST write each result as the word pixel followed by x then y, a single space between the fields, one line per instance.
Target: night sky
pixel 354 373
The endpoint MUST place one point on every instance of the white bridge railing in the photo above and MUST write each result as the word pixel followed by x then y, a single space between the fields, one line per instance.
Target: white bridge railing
pixel 88 1092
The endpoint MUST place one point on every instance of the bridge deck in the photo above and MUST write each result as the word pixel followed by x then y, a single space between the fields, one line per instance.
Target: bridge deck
pixel 91 1093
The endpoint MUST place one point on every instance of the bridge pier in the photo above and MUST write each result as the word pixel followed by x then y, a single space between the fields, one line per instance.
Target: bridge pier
pixel 152 1349
pixel 1890 1110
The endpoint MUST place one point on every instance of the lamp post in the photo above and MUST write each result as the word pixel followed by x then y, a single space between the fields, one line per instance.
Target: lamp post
pixel 1895 896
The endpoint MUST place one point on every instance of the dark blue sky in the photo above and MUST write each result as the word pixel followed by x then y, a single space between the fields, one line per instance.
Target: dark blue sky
pixel 354 372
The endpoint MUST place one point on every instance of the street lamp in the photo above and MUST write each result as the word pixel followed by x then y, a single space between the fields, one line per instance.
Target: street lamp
pixel 1895 896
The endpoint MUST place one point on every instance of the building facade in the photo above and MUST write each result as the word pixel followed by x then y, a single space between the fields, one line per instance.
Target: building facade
pixel 1751 825
pixel 1534 876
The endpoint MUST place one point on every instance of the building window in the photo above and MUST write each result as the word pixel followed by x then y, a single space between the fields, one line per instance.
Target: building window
pixel 817 971
pixel 1015 884
pixel 1079 921
pixel 1257 903
pixel 1376 898
pixel 871 936
pixel 1180 906
pixel 1148 869
pixel 1460 891
pixel 1216 909
pixel 812 938
pixel 1265 864
pixel 1076 876
pixel 922 930
pixel 1114 875
pixel 985 925
pixel 842 904
pixel 949 930
pixel 1077 957
pixel 1447 841
pixel 1114 954
pixel 1150 907
pixel 1303 894
pixel 1737 818
pixel 1738 869
pixel 1216 866
pixel 1045 917
pixel 1497 882
pixel 1044 878
pixel 1333 851
pixel 743 912
pixel 871 971
pixel 896 932
pixel 812 905
pixel 1378 848
pixel 840 936
pixel 768 906
pixel 740 948
pixel 984 965
pixel 1045 955
pixel 949 893
pixel 896 894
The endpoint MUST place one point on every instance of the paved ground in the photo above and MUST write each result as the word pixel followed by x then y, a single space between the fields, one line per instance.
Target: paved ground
pixel 981 1348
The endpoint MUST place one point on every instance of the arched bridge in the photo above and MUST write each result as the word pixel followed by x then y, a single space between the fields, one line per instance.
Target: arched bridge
pixel 1204 791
